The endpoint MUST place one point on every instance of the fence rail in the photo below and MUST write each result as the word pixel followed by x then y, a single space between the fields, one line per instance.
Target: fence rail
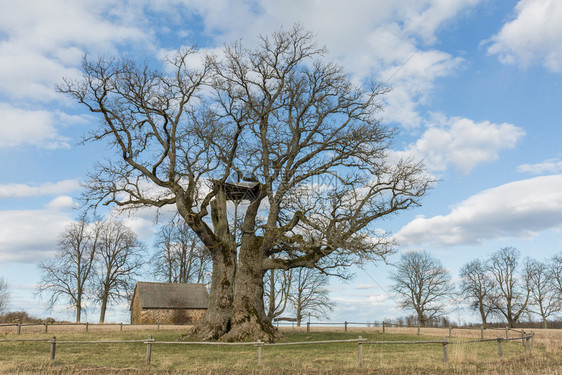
pixel 149 342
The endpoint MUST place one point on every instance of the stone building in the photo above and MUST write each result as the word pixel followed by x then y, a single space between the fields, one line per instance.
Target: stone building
pixel 172 303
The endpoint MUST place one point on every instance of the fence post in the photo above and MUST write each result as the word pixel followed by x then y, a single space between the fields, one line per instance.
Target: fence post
pixel 86 326
pixel 383 330
pixel 53 348
pixel 482 333
pixel 158 326
pixel 121 327
pixel 418 328
pixel 19 328
pixel 259 352
pixel 445 354
pixel 506 333
pixel 527 344
pixel 149 350
pixel 532 339
pixel 360 352
pixel 523 338
pixel 345 326
pixel 46 329
pixel 500 353
pixel 307 326
pixel 450 331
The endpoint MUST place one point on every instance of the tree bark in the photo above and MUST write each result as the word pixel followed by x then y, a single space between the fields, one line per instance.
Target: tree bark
pixel 249 321
pixel 103 307
pixel 217 320
pixel 78 311
pixel 483 316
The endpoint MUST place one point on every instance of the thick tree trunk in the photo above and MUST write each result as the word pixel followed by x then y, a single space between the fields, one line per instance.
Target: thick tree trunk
pixel 249 321
pixel 216 321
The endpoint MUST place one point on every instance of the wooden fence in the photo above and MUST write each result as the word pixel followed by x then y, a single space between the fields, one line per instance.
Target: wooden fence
pixel 149 342
pixel 44 327
pixel 384 325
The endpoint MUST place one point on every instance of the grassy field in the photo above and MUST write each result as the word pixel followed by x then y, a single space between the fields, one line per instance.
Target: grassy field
pixel 341 358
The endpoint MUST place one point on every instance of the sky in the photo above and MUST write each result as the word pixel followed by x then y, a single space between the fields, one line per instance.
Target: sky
pixel 476 93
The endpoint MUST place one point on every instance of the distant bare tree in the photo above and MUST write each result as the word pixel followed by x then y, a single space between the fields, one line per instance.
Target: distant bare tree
pixel 277 288
pixel 511 288
pixel 476 287
pixel 423 284
pixel 180 256
pixel 3 296
pixel 556 272
pixel 309 295
pixel 119 259
pixel 545 298
pixel 68 273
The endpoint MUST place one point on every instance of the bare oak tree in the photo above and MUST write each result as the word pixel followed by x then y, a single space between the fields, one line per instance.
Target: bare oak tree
pixel 277 289
pixel 476 287
pixel 118 260
pixel 309 294
pixel 180 257
pixel 3 296
pixel 69 272
pixel 422 283
pixel 545 299
pixel 278 115
pixel 556 272
pixel 511 285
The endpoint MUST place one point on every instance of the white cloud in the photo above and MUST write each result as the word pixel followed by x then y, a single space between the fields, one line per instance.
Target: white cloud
pixel 61 203
pixel 533 36
pixel 31 127
pixel 45 41
pixel 35 127
pixel 364 286
pixel 371 38
pixel 548 166
pixel 517 209
pixel 462 143
pixel 29 236
pixel 49 188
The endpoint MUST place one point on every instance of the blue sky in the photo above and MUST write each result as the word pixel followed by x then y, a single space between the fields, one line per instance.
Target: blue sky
pixel 477 93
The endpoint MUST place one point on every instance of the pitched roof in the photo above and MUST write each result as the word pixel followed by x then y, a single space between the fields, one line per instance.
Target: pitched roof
pixel 172 295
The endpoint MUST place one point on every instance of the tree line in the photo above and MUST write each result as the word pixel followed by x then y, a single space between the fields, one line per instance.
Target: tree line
pixel 503 286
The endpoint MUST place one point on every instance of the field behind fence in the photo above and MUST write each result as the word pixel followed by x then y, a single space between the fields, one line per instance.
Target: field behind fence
pixel 60 342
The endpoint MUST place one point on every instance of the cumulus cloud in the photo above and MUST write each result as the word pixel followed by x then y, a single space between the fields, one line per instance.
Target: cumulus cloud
pixel 29 236
pixel 462 142
pixel 63 202
pixel 45 41
pixel 379 39
pixel 517 209
pixel 534 35
pixel 49 188
pixel 548 166
pixel 29 127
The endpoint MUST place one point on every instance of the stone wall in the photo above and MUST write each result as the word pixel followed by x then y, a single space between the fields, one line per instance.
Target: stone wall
pixel 170 316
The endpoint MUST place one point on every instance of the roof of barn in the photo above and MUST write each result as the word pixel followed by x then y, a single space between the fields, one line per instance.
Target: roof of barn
pixel 171 295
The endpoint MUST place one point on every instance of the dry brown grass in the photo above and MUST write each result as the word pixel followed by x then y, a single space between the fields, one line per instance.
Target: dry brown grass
pixel 128 359
pixel 75 328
